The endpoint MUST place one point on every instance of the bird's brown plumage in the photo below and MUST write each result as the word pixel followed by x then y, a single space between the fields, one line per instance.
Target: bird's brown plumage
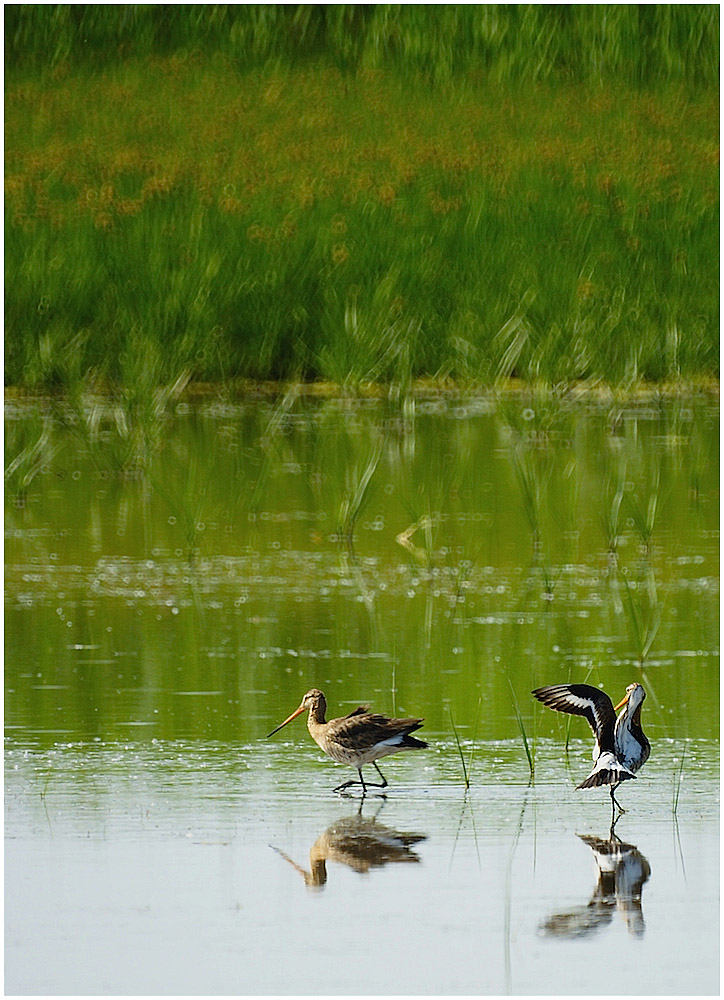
pixel 359 738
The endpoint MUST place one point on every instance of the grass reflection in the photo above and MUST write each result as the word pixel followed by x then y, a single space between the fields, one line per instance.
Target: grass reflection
pixel 269 545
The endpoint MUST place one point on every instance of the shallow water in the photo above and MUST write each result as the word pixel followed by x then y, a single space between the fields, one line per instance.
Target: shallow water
pixel 173 589
pixel 181 868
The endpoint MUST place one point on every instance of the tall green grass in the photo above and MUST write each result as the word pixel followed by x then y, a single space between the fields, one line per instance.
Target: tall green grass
pixel 633 43
pixel 289 225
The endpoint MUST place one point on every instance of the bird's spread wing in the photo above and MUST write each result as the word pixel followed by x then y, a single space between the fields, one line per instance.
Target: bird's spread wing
pixel 360 731
pixel 583 699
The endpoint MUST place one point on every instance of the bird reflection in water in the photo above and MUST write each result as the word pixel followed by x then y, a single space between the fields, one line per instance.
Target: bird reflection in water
pixel 622 872
pixel 359 843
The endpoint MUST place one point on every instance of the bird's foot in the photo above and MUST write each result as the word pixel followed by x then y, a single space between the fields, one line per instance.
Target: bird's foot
pixel 347 784
pixel 342 789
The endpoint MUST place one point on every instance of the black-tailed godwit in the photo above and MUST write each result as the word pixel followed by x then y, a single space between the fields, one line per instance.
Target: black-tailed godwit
pixel 358 738
pixel 621 748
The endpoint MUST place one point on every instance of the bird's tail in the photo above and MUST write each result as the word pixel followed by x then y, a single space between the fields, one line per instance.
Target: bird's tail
pixel 412 743
pixel 608 771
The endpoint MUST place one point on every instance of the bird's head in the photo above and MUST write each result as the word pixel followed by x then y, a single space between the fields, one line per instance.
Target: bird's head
pixel 634 699
pixel 313 700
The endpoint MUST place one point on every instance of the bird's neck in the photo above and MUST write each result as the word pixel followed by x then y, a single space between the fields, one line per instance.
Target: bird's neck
pixel 316 714
pixel 636 718
pixel 630 720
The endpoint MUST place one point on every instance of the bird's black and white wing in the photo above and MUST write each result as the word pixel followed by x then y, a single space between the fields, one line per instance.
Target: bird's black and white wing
pixel 583 699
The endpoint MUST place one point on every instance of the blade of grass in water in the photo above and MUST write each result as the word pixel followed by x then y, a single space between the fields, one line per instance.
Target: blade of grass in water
pixel 521 727
pixel 677 780
pixel 466 777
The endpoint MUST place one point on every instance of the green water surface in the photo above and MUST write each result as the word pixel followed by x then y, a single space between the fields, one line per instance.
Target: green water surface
pixel 192 573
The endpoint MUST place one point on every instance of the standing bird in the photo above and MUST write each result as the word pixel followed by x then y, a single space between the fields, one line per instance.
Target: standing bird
pixel 621 747
pixel 358 738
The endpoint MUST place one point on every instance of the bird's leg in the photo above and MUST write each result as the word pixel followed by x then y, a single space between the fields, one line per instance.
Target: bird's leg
pixel 365 784
pixel 375 784
pixel 384 779
pixel 614 801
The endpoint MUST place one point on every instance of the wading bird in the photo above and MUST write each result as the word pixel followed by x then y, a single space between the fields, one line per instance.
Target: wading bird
pixel 358 738
pixel 621 747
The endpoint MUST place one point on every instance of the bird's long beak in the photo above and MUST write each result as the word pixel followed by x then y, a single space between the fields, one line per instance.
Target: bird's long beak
pixel 292 716
pixel 615 708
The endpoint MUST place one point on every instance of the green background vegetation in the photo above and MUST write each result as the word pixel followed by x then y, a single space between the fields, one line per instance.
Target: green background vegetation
pixel 361 193
pixel 635 43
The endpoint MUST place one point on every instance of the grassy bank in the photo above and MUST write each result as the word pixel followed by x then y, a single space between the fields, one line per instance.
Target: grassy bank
pixel 175 214
pixel 505 43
